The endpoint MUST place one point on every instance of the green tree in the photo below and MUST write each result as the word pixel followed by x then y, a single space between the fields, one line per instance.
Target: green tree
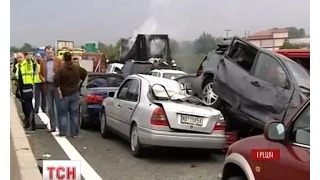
pixel 288 45
pixel 26 47
pixel 205 43
pixel 14 49
pixel 296 33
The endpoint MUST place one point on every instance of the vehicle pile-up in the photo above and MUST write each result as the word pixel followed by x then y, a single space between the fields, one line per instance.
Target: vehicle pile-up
pixel 240 90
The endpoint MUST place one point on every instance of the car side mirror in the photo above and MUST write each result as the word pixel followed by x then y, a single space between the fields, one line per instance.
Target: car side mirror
pixel 274 131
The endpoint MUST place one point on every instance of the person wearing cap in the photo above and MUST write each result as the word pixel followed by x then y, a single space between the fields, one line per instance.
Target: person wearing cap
pixel 39 96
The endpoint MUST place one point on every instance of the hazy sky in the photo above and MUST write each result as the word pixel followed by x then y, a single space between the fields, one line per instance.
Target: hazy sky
pixel 41 23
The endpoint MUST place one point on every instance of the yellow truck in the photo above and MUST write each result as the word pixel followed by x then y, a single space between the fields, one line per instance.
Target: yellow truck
pixel 63 46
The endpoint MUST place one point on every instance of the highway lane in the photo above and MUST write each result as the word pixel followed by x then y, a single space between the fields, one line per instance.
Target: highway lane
pixel 111 158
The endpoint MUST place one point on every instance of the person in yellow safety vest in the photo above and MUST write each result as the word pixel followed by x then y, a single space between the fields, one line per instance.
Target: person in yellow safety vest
pixel 39 96
pixel 24 77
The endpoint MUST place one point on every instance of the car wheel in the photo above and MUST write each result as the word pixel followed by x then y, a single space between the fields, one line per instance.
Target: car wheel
pixel 208 95
pixel 136 148
pixel 82 122
pixel 238 178
pixel 103 125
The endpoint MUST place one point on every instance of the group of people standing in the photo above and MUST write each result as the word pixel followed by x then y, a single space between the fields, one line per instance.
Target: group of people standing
pixel 54 84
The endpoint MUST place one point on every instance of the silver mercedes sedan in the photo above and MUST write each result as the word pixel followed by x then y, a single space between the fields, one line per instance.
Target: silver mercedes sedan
pixel 152 111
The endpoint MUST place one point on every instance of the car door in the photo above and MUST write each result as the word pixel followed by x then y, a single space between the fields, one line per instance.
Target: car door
pixel 115 110
pixel 232 71
pixel 294 160
pixel 128 105
pixel 267 93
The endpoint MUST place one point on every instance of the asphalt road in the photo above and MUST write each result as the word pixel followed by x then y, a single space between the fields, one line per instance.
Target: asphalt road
pixel 111 159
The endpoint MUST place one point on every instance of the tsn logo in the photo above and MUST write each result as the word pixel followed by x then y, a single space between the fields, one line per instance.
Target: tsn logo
pixel 61 170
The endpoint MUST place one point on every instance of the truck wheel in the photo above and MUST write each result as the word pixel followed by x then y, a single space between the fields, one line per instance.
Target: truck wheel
pixel 238 178
pixel 103 125
pixel 136 148
pixel 208 95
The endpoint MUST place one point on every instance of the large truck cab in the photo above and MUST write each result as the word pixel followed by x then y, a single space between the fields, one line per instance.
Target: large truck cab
pixel 143 47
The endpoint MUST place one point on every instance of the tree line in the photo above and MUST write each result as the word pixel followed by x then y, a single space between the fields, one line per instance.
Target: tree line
pixel 201 45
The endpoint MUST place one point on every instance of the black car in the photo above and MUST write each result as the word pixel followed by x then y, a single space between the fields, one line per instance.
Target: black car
pixel 95 88
pixel 254 85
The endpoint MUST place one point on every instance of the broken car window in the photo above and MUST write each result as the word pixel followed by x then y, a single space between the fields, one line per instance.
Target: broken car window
pixel 270 70
pixel 242 55
pixel 300 74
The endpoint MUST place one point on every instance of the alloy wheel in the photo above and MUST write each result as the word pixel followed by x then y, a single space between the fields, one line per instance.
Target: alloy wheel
pixel 208 95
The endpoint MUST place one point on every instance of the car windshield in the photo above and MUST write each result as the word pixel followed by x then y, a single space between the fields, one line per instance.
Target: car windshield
pixel 104 81
pixel 300 74
pixel 172 75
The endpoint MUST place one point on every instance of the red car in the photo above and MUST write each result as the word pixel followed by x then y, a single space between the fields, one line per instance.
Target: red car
pixel 288 140
pixel 301 56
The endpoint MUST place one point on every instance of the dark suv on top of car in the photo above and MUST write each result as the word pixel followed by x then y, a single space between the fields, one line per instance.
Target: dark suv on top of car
pixel 255 85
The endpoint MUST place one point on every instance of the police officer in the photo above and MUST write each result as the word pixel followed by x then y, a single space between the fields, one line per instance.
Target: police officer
pixel 24 76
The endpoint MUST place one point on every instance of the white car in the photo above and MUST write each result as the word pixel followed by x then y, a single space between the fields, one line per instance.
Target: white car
pixel 152 111
pixel 167 73
pixel 114 68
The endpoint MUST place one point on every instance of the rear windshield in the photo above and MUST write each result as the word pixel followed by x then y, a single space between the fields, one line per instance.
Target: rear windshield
pixel 172 75
pixel 104 81
pixel 142 68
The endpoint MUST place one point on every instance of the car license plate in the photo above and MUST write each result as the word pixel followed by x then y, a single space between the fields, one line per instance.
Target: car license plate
pixel 192 120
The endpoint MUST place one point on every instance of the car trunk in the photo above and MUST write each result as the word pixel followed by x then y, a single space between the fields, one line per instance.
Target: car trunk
pixel 190 117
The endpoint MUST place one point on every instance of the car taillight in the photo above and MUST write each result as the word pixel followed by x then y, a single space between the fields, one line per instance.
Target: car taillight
pixel 94 99
pixel 220 125
pixel 159 118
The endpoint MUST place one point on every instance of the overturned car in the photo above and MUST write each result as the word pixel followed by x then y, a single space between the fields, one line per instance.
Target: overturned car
pixel 253 85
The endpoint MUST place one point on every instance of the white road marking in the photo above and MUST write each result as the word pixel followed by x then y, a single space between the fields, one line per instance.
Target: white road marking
pixel 86 170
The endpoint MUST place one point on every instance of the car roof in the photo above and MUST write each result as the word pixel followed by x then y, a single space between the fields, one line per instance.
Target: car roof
pixel 154 79
pixel 172 71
